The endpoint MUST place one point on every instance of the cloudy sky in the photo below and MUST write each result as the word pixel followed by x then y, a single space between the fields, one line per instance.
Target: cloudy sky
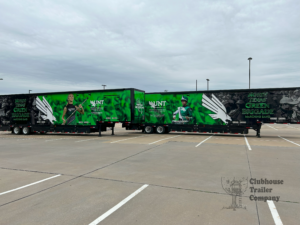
pixel 154 45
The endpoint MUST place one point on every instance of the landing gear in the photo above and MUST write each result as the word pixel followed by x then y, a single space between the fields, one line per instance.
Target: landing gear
pixel 258 130
pixel 112 131
pixel 99 130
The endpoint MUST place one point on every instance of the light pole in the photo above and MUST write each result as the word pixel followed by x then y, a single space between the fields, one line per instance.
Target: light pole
pixel 249 69
pixel 207 84
pixel 30 91
pixel 103 86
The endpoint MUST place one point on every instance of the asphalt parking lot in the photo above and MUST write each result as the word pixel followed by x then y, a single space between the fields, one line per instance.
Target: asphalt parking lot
pixel 133 178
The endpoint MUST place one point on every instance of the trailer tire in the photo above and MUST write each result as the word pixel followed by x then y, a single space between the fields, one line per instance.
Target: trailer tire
pixel 16 130
pixel 160 129
pixel 148 130
pixel 26 130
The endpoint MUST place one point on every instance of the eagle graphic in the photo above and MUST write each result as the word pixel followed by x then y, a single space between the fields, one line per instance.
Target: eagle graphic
pixel 45 109
pixel 217 107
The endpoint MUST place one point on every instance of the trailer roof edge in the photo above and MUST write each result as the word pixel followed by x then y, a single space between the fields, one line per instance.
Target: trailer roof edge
pixel 226 90
pixel 84 91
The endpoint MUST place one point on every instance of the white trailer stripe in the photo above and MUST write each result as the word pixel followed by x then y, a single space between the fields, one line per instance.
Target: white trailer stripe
pixel 289 141
pixel 249 147
pixel 203 141
pixel 163 139
pixel 274 212
pixel 116 207
pixel 29 184
pixel 127 139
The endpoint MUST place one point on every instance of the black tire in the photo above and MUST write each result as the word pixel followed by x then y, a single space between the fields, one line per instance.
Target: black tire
pixel 148 130
pixel 160 130
pixel 26 130
pixel 16 130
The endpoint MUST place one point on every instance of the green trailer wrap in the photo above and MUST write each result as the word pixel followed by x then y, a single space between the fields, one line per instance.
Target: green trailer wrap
pixel 86 108
pixel 71 112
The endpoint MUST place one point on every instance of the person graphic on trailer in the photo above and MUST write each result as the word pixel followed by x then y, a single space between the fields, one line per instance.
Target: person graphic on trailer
pixel 185 112
pixel 69 110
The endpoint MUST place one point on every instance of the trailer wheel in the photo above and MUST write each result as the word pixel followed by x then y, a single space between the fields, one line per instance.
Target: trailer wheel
pixel 160 129
pixel 16 130
pixel 26 130
pixel 148 130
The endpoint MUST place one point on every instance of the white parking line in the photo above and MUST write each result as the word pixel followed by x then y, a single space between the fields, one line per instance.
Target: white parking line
pixel 271 127
pixel 294 127
pixel 274 212
pixel 56 139
pixel 163 139
pixel 289 141
pixel 29 184
pixel 127 139
pixel 23 139
pixel 116 207
pixel 203 141
pixel 87 140
pixel 249 147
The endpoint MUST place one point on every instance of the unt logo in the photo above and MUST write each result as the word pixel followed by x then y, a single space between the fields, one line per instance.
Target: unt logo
pixel 157 103
pixel 94 103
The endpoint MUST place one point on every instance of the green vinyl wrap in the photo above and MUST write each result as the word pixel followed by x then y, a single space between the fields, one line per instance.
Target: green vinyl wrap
pixel 114 106
pixel 139 106
pixel 160 109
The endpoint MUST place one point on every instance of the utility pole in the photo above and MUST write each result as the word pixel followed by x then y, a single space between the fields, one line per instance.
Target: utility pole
pixel 207 84
pixel 249 69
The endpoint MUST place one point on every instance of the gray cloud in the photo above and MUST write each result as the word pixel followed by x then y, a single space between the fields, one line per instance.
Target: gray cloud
pixel 151 45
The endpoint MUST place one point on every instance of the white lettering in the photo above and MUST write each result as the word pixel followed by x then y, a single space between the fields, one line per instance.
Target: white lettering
pixel 157 103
